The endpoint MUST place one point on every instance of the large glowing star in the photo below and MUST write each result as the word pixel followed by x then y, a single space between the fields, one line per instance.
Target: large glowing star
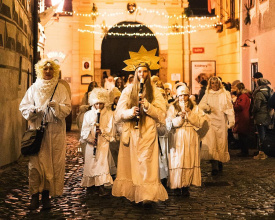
pixel 142 56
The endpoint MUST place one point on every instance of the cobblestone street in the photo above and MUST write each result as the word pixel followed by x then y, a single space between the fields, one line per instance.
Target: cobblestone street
pixel 245 190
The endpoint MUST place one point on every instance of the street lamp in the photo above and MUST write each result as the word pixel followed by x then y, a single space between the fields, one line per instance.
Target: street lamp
pixel 246 45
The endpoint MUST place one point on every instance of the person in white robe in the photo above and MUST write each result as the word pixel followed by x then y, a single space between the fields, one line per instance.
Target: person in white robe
pixel 218 105
pixel 47 169
pixel 114 145
pixel 163 145
pixel 184 120
pixel 96 172
pixel 138 160
pixel 83 108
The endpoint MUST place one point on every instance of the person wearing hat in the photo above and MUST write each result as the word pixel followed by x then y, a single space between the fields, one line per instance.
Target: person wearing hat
pixel 256 76
pixel 83 108
pixel 163 144
pixel 96 172
pixel 217 103
pixel 168 91
pixel 138 160
pixel 47 168
pixel 114 145
pixel 183 121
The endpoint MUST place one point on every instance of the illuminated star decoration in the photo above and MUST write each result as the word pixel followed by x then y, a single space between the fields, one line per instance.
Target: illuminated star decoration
pixel 142 56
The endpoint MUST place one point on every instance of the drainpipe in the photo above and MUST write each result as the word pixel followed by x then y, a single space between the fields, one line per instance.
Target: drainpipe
pixel 189 56
pixel 182 30
pixel 35 36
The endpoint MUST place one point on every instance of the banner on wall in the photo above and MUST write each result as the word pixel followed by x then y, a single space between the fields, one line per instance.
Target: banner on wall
pixel 201 70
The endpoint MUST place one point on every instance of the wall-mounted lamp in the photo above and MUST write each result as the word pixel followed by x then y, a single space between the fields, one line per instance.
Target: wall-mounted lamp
pixel 246 45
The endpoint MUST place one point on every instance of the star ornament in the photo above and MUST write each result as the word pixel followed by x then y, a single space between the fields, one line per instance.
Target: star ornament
pixel 142 56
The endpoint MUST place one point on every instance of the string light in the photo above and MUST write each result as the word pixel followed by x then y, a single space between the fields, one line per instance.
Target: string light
pixel 149 11
pixel 137 34
pixel 150 26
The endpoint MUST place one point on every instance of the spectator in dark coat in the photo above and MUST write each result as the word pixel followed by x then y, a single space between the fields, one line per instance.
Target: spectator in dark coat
pixel 271 101
pixel 203 84
pixel 242 117
pixel 260 112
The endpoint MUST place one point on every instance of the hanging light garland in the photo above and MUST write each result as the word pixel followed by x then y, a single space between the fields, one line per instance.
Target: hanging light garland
pixel 149 11
pixel 137 34
pixel 150 26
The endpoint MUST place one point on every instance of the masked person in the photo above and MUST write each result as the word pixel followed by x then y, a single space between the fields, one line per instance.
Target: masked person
pixel 96 172
pixel 138 160
pixel 47 169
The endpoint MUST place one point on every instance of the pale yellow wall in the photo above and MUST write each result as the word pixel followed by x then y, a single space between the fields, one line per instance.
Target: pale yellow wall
pixel 228 50
pixel 174 52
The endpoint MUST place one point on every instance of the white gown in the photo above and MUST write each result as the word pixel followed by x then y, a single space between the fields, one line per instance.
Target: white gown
pixel 97 168
pixel 163 160
pixel 138 160
pixel 47 169
pixel 184 148
pixel 215 143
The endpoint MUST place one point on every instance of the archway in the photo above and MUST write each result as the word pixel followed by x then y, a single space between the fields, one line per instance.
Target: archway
pixel 115 49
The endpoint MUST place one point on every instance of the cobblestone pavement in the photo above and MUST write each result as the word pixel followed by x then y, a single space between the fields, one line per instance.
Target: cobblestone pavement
pixel 245 190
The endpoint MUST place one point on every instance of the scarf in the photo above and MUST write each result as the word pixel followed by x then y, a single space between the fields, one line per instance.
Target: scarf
pixel 44 91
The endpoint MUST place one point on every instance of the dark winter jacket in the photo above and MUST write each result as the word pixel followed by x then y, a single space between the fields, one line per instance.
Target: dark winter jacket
pixel 271 101
pixel 242 116
pixel 201 93
pixel 260 109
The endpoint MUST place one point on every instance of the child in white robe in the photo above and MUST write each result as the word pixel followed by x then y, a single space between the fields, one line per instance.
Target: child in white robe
pixel 96 172
pixel 184 119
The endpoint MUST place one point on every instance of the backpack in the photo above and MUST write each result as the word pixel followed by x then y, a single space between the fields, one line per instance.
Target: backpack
pixel 270 109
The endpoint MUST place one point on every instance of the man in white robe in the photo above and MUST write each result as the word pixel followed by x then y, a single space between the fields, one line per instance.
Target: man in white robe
pixel 47 169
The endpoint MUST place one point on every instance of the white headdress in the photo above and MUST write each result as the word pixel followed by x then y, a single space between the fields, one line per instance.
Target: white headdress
pixel 154 79
pixel 168 86
pixel 182 90
pixel 114 93
pixel 98 95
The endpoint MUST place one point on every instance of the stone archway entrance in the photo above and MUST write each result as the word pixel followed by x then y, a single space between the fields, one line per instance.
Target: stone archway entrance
pixel 115 49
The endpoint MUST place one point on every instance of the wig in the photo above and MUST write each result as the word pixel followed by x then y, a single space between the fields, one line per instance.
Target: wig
pixel 40 65
pixel 214 78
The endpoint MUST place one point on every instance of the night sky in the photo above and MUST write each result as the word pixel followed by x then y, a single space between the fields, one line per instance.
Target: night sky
pixel 199 7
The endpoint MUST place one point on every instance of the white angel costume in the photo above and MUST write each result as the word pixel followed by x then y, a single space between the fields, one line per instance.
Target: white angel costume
pixel 138 160
pixel 221 113
pixel 47 169
pixel 97 167
pixel 184 144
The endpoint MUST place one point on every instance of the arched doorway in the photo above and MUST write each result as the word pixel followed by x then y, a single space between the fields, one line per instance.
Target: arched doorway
pixel 115 49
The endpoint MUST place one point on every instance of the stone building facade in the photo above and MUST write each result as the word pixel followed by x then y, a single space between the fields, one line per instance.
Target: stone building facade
pixel 15 68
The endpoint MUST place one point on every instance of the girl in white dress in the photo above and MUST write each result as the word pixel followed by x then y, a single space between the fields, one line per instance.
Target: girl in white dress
pixel 184 120
pixel 138 159
pixel 96 172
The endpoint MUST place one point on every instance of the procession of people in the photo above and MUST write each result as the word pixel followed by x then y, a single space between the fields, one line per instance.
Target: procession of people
pixel 141 137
